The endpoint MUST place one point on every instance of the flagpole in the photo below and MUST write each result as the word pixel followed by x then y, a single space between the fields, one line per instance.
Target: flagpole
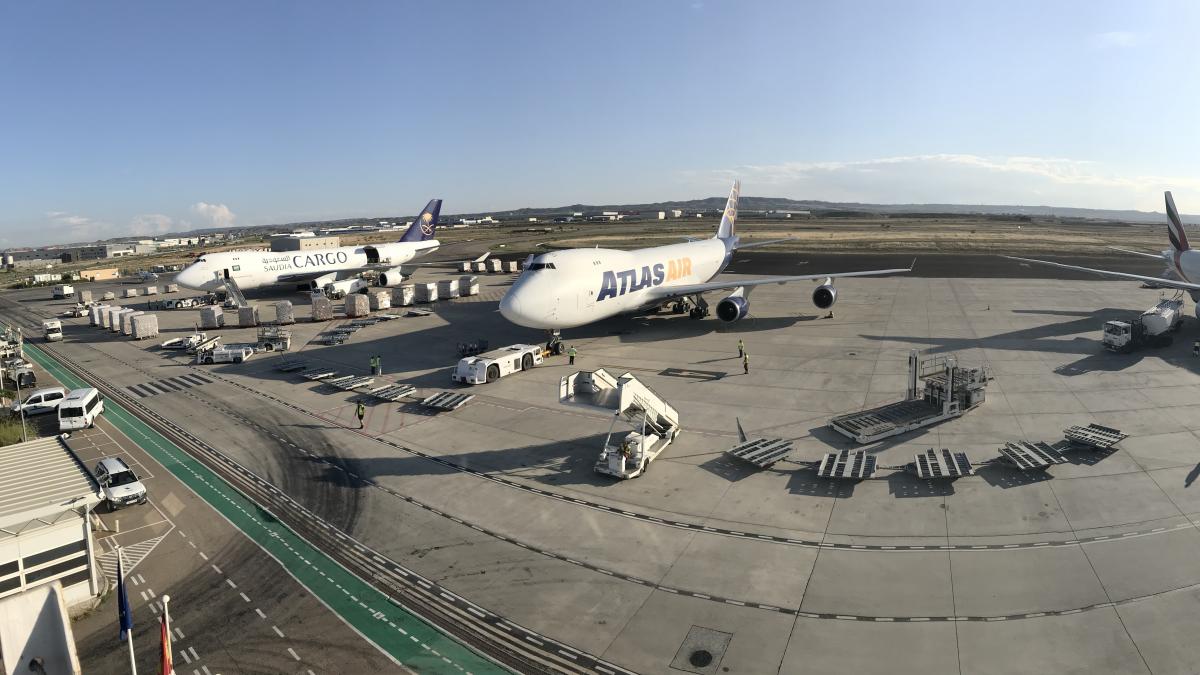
pixel 168 658
pixel 129 632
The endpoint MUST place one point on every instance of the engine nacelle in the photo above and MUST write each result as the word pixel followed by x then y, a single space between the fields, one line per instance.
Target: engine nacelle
pixel 733 308
pixel 824 296
pixel 392 277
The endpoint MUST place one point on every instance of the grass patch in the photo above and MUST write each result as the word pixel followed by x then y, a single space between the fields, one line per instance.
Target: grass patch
pixel 10 430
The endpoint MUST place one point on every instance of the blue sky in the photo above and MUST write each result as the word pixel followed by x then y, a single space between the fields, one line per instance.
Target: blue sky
pixel 141 117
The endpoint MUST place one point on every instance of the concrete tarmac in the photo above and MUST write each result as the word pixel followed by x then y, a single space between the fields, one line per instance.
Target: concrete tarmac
pixel 1084 567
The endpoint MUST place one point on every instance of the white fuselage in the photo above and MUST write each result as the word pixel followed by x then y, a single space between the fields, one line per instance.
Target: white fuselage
pixel 564 289
pixel 1186 264
pixel 255 269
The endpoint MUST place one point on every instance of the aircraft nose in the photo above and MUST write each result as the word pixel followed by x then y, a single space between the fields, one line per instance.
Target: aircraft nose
pixel 190 277
pixel 510 308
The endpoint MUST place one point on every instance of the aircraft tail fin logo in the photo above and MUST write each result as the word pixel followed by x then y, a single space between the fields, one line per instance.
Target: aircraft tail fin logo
pixel 1175 230
pixel 425 225
pixel 729 218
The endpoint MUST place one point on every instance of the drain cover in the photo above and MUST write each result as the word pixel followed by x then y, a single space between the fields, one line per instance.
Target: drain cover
pixel 702 651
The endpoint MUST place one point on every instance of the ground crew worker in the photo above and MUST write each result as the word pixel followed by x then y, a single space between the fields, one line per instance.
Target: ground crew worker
pixel 741 348
pixel 378 365
pixel 746 362
pixel 571 353
pixel 1196 348
pixel 360 412
pixel 830 314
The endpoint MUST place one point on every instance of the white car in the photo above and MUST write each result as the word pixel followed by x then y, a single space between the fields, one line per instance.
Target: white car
pixel 119 485
pixel 40 401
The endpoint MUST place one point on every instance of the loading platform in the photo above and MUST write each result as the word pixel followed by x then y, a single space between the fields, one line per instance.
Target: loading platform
pixel 1026 456
pixel 393 392
pixel 1094 436
pixel 938 389
pixel 857 465
pixel 935 464
pixel 446 400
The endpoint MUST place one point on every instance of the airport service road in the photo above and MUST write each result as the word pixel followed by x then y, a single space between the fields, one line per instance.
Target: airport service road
pixel 1086 568
pixel 408 640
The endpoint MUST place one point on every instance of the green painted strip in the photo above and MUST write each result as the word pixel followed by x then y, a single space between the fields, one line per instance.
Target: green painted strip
pixel 408 638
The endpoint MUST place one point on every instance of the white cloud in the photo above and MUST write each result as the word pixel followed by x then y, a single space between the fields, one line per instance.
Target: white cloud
pixel 1116 39
pixel 155 224
pixel 218 215
pixel 965 179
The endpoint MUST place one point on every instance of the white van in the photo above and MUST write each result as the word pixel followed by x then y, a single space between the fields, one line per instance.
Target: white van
pixel 80 409
pixel 40 401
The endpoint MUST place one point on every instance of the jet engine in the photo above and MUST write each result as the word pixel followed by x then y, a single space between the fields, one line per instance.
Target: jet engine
pixel 733 308
pixel 392 277
pixel 825 295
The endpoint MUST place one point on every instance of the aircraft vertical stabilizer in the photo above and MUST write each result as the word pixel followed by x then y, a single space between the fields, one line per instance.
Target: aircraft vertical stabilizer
pixel 729 218
pixel 425 224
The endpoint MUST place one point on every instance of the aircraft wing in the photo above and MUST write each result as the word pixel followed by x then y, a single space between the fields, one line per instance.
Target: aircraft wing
pixel 1161 281
pixel 1156 256
pixel 302 277
pixel 756 244
pixel 693 289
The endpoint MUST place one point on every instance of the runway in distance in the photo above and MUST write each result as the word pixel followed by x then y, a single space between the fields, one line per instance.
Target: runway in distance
pixel 318 267
pixel 1181 260
pixel 575 287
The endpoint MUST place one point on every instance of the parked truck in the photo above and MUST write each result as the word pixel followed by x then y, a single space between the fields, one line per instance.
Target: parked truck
pixel 226 354
pixel 52 330
pixel 64 291
pixel 1151 328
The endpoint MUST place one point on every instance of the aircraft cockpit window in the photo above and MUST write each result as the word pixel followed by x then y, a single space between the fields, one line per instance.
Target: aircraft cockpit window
pixel 541 266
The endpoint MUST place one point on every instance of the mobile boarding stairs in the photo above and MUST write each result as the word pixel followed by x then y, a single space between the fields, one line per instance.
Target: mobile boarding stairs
pixel 655 422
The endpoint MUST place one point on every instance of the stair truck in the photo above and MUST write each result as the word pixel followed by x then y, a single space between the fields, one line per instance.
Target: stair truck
pixel 655 422
pixel 1151 328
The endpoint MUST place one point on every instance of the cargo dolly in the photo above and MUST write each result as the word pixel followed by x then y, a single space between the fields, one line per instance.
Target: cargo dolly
pixel 857 465
pixel 290 365
pixel 1026 456
pixel 935 464
pixel 761 452
pixel 348 382
pixel 393 392
pixel 446 400
pixel 318 373
pixel 1094 436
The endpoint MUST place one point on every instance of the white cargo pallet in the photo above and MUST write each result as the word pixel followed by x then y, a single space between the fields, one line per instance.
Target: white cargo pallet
pixel 352 382
pixel 762 452
pixel 446 400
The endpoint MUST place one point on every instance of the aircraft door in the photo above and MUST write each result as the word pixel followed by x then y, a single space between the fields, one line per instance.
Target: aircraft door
pixel 226 273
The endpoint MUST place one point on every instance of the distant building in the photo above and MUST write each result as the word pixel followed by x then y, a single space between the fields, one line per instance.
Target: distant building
pixel 533 220
pixel 676 213
pixel 302 242
pixel 105 274
pixel 662 215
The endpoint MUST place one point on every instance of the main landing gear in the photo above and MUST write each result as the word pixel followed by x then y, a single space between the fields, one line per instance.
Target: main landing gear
pixel 695 306
pixel 554 343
